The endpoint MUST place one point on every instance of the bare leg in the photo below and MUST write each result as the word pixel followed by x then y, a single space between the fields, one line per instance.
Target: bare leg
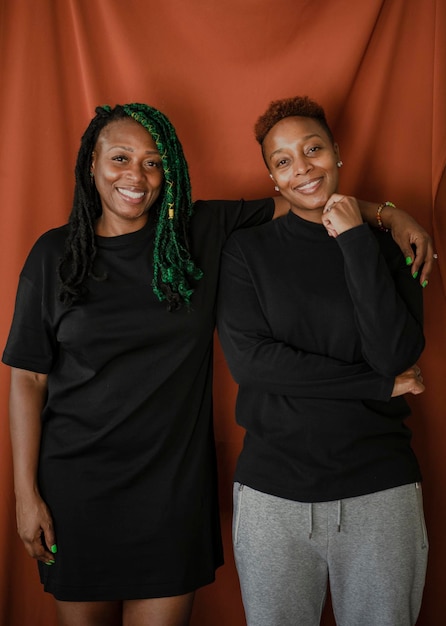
pixel 89 613
pixel 173 611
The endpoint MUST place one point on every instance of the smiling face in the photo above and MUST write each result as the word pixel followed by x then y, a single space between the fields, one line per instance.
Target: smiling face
pixel 302 161
pixel 128 175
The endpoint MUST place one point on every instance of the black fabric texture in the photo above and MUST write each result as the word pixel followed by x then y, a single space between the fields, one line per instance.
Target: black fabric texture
pixel 127 463
pixel 314 330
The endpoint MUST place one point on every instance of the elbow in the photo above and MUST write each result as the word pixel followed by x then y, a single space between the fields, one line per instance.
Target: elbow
pixel 241 374
pixel 238 374
pixel 393 363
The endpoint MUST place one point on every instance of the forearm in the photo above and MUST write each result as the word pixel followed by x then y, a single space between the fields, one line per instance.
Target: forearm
pixel 27 398
pixel 368 212
pixel 258 359
pixel 388 214
pixel 388 306
pixel 273 367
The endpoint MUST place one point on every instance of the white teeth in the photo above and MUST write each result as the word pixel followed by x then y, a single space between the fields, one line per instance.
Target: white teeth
pixel 309 185
pixel 131 194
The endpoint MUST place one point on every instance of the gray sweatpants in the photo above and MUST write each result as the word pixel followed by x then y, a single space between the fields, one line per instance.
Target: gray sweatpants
pixel 372 549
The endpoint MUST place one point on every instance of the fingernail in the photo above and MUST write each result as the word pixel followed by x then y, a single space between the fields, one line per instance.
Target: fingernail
pixel 51 562
pixel 415 274
pixel 408 260
pixel 53 548
pixel 425 283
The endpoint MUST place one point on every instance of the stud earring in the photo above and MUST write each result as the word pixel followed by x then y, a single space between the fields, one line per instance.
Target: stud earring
pixel 276 187
pixel 339 164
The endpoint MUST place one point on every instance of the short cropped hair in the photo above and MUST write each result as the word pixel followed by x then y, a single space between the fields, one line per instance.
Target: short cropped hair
pixel 301 106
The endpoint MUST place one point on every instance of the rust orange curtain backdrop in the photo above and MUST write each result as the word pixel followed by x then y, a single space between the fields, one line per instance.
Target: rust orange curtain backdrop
pixel 213 66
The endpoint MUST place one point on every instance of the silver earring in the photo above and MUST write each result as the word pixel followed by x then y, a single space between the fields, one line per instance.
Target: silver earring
pixel 276 187
pixel 339 164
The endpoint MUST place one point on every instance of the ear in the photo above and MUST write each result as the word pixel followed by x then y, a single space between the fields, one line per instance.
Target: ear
pixel 93 161
pixel 337 151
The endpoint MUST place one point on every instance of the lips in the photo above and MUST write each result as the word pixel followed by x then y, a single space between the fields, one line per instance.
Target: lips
pixel 309 187
pixel 131 195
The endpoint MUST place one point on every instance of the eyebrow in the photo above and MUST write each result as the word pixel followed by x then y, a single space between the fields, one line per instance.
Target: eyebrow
pixel 304 138
pixel 129 149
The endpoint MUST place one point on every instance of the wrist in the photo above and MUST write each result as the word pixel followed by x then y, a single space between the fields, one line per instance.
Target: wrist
pixel 384 221
pixel 26 488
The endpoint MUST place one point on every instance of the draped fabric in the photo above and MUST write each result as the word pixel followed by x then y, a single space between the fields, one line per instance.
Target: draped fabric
pixel 378 67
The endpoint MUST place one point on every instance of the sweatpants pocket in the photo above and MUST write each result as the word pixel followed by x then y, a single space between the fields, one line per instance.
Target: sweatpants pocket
pixel 237 510
pixel 419 494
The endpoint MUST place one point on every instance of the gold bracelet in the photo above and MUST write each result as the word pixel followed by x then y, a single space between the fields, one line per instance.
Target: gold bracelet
pixel 378 214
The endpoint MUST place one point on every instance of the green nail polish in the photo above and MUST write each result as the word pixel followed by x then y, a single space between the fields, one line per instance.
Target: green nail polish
pixel 415 274
pixel 53 549
pixel 424 284
pixel 408 260
pixel 50 562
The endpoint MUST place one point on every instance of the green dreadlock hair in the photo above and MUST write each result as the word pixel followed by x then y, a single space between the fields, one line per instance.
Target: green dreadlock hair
pixel 173 267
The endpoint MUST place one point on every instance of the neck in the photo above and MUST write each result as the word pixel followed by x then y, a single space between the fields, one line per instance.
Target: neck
pixel 310 215
pixel 114 228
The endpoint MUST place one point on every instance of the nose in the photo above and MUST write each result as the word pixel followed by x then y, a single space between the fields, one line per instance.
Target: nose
pixel 302 165
pixel 135 171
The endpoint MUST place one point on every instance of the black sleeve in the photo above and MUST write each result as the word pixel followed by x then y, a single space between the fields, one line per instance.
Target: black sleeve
pixel 387 301
pixel 32 343
pixel 235 214
pixel 257 360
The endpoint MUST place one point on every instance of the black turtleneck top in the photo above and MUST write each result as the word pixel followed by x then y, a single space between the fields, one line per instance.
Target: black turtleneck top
pixel 314 330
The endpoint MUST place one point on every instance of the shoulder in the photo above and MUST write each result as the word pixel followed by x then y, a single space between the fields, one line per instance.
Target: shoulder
pixel 224 206
pixel 48 247
pixel 53 238
pixel 253 238
pixel 234 214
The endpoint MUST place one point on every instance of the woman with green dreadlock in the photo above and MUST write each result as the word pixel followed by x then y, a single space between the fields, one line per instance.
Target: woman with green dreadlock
pixel 111 424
